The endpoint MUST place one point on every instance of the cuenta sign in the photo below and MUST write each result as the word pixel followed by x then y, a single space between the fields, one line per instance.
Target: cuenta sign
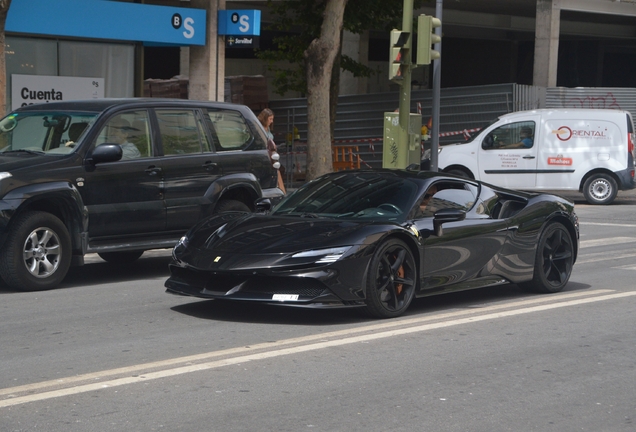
pixel 32 89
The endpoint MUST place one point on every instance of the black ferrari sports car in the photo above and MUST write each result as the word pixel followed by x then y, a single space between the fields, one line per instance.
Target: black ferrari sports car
pixel 377 239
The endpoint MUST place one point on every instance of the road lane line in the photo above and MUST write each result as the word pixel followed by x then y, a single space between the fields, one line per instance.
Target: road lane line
pixel 607 224
pixel 603 256
pixel 607 241
pixel 322 344
pixel 303 339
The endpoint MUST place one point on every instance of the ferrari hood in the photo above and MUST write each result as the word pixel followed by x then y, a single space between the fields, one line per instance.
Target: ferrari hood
pixel 259 234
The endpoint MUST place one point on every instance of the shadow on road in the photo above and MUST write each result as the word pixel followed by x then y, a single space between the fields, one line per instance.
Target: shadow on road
pixel 246 312
pixel 101 272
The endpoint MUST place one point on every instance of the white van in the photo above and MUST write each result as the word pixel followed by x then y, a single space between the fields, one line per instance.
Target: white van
pixel 589 150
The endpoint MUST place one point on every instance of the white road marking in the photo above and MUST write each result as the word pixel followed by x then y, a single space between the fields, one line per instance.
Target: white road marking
pixel 183 365
pixel 607 241
pixel 607 224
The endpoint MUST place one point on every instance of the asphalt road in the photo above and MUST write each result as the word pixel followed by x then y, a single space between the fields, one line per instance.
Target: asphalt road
pixel 110 351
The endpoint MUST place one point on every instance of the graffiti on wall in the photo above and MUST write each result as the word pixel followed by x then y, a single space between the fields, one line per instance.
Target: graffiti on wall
pixel 608 102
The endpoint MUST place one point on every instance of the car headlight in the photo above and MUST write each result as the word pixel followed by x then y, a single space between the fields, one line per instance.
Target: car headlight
pixel 4 175
pixel 324 256
pixel 179 248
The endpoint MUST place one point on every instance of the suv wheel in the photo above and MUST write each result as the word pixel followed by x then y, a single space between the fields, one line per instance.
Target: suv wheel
pixel 231 206
pixel 120 257
pixel 37 252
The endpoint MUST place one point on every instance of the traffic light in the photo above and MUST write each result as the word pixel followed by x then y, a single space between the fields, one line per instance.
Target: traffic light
pixel 426 37
pixel 399 55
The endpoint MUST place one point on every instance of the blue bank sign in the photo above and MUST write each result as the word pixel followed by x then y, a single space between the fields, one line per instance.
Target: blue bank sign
pixel 101 19
pixel 240 22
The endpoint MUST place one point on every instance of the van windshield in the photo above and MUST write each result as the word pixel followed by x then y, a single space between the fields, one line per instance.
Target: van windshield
pixel 43 132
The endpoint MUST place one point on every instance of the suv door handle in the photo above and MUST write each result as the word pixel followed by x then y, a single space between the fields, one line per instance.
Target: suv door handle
pixel 210 166
pixel 153 170
pixel 528 157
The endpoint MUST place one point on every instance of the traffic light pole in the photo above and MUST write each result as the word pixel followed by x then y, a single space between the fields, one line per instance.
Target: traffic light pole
pixel 405 87
pixel 437 74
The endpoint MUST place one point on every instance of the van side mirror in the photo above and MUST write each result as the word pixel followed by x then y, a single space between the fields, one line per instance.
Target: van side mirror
pixel 446 215
pixel 488 142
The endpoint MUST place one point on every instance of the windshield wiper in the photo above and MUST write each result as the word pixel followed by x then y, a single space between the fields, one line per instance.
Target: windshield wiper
pixel 309 215
pixel 35 152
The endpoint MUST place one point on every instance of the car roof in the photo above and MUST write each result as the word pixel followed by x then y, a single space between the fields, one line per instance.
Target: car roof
pixel 99 105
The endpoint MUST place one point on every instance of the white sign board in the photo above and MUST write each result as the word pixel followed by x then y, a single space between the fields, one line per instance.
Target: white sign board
pixel 32 89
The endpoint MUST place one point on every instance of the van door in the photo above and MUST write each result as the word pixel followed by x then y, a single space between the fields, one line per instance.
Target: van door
pixel 508 154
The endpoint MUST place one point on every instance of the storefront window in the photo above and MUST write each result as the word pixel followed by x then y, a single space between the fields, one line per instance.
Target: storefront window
pixel 115 63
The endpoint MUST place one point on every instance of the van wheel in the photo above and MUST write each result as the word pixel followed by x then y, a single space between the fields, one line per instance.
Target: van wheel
pixel 459 173
pixel 600 189
pixel 37 252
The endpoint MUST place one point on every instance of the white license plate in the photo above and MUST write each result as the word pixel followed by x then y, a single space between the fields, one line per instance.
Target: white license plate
pixel 285 297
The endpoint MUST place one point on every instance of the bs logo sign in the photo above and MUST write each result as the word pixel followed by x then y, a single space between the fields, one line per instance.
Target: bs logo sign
pixel 177 22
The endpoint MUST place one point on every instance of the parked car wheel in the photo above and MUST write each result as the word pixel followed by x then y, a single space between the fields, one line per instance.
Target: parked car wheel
pixel 600 189
pixel 553 262
pixel 392 280
pixel 231 205
pixel 120 257
pixel 459 172
pixel 37 252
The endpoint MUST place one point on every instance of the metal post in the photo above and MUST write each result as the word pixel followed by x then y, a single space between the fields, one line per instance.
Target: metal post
pixel 437 74
pixel 405 88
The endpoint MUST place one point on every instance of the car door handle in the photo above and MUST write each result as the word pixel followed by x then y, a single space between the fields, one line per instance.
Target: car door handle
pixel 528 157
pixel 153 170
pixel 210 166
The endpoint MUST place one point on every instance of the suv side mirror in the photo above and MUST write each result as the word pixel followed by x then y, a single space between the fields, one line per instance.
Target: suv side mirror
pixel 263 205
pixel 446 215
pixel 105 153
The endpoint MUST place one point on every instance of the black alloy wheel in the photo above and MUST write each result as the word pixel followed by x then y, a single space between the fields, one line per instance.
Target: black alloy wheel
pixel 392 280
pixel 553 261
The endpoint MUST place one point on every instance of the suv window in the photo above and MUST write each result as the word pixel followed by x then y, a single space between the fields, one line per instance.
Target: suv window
pixel 131 131
pixel 231 130
pixel 181 132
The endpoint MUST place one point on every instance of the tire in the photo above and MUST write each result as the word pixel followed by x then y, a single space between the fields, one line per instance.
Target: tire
pixel 553 261
pixel 37 252
pixel 231 206
pixel 458 172
pixel 126 257
pixel 391 281
pixel 600 189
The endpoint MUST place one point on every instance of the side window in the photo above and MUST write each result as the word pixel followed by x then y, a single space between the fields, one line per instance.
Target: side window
pixel 181 132
pixel 443 195
pixel 518 135
pixel 231 130
pixel 131 131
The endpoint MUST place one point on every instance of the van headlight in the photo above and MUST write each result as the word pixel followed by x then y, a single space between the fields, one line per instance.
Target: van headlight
pixel 4 175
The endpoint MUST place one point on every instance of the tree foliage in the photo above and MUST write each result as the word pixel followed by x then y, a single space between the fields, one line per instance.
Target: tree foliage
pixel 299 23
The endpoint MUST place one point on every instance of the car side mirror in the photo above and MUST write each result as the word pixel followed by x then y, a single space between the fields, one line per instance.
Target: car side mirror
pixel 446 215
pixel 105 153
pixel 263 205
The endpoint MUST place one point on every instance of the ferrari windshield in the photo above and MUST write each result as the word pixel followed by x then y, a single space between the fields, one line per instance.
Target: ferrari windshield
pixel 361 195
pixel 43 132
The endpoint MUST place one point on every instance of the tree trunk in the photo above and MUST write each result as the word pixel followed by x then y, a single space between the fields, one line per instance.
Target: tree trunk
pixel 319 59
pixel 4 9
pixel 334 90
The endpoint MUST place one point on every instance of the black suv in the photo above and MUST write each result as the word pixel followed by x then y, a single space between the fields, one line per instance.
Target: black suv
pixel 118 177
